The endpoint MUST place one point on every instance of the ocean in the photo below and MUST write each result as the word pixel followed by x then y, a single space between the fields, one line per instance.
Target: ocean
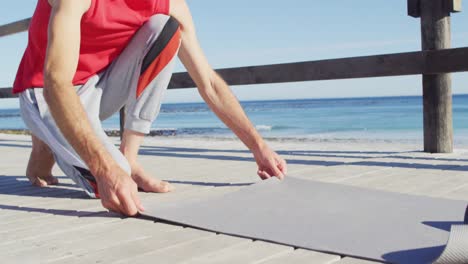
pixel 350 119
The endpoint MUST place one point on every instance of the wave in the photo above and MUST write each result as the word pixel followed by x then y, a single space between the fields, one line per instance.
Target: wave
pixel 9 115
pixel 284 133
pixel 197 131
pixel 312 139
pixel 215 130
pixel 192 131
pixel 263 127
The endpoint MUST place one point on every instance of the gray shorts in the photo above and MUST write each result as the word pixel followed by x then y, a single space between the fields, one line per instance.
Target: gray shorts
pixel 137 79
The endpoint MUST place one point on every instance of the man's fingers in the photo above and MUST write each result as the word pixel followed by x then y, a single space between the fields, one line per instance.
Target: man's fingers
pixel 127 205
pixel 283 166
pixel 137 202
pixel 277 172
pixel 112 206
pixel 263 175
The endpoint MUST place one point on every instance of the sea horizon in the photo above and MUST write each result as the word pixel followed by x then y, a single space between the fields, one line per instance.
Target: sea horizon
pixel 287 99
pixel 345 119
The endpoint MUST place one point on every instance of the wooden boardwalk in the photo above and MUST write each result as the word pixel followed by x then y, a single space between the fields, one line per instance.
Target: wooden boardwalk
pixel 60 225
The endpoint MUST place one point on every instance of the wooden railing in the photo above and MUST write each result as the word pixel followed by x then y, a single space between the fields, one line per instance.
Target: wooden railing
pixel 434 63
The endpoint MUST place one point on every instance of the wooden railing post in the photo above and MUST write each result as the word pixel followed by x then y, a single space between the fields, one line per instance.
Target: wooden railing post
pixel 437 88
pixel 122 121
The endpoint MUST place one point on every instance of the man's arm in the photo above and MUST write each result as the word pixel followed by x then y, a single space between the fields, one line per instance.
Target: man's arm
pixel 219 97
pixel 117 190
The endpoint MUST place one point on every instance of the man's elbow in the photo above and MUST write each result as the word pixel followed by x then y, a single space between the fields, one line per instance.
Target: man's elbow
pixel 209 85
pixel 49 84
pixel 214 88
pixel 52 83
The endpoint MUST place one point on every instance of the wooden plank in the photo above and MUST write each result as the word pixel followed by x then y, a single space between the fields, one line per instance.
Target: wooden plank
pixel 437 88
pixel 170 247
pixel 80 240
pixel 103 252
pixel 354 261
pixel 301 256
pixel 26 191
pixel 45 228
pixel 50 220
pixel 184 252
pixel 460 193
pixel 29 194
pixel 442 186
pixel 26 213
pixel 65 235
pixel 57 206
pixel 413 8
pixel 6 93
pixel 122 121
pixel 38 199
pixel 244 253
pixel 411 63
pixel 15 27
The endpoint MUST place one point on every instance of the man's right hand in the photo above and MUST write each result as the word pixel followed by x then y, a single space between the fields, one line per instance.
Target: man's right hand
pixel 118 192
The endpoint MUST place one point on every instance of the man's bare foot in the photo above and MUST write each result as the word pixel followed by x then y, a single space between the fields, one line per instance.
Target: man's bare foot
pixel 41 161
pixel 131 142
pixel 42 180
pixel 147 183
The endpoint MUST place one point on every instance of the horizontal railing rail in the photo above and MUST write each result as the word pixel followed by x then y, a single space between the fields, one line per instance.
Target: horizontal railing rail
pixel 410 63
pixel 15 27
pixel 7 93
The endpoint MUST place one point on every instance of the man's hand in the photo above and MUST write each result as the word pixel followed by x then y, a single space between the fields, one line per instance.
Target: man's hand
pixel 118 192
pixel 270 164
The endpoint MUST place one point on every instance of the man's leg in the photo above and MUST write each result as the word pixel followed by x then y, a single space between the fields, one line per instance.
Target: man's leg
pixel 41 161
pixel 138 79
pixel 37 117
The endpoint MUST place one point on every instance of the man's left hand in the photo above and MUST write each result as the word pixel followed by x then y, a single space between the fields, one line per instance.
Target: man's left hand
pixel 270 164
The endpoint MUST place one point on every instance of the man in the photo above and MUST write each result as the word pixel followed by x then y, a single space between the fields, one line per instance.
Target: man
pixel 84 61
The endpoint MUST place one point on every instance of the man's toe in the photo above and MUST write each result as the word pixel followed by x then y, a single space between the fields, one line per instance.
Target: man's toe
pixel 51 180
pixel 161 187
pixel 38 182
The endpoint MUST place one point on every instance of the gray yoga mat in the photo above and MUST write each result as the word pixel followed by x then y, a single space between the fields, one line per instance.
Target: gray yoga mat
pixel 376 225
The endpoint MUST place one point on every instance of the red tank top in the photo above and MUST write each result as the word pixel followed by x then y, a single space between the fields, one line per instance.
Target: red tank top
pixel 106 29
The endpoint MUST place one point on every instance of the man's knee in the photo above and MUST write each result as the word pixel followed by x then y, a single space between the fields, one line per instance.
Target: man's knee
pixel 167 30
pixel 157 22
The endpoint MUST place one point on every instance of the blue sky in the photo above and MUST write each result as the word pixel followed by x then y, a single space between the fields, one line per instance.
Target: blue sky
pixel 256 32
